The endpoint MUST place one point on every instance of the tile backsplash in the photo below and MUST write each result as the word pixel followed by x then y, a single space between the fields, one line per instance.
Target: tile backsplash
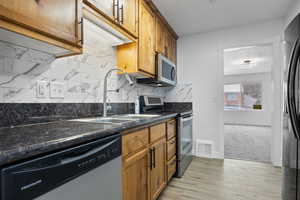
pixel 82 76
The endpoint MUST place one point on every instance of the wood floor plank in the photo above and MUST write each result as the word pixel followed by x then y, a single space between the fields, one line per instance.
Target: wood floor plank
pixel 209 179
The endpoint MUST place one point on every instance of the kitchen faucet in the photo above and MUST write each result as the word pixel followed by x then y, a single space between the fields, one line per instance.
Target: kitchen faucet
pixel 105 87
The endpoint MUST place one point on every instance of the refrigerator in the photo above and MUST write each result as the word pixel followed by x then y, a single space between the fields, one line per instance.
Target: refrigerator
pixel 291 120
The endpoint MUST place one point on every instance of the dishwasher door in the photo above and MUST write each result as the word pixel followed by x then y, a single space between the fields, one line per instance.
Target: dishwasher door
pixel 90 171
pixel 102 183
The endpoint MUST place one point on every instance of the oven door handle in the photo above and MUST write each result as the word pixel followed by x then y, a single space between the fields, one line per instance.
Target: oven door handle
pixel 187 119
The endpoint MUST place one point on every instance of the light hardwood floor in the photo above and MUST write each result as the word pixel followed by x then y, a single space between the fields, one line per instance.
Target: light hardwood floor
pixel 208 179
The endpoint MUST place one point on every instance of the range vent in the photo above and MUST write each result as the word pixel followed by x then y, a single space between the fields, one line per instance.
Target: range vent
pixel 203 148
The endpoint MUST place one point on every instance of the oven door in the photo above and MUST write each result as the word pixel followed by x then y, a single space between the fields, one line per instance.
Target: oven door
pixel 166 70
pixel 185 137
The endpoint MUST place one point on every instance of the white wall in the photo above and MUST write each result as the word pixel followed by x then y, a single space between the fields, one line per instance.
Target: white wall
pixel 252 117
pixel 200 60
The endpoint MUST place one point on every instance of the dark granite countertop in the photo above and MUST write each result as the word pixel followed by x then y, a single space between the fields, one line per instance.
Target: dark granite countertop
pixel 24 142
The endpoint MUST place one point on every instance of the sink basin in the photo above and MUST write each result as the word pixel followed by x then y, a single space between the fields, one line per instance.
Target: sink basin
pixel 104 120
pixel 116 119
pixel 137 116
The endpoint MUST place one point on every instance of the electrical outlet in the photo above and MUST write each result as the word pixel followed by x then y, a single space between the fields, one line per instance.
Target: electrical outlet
pixel 57 90
pixel 41 89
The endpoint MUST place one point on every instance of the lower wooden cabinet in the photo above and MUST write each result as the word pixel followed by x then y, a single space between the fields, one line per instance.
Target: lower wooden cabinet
pixel 146 168
pixel 158 168
pixel 171 168
pixel 171 148
pixel 136 176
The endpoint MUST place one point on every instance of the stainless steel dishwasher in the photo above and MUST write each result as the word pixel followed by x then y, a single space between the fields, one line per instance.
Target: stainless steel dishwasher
pixel 90 171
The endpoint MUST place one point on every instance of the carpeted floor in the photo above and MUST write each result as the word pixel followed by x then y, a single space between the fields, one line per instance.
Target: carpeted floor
pixel 247 142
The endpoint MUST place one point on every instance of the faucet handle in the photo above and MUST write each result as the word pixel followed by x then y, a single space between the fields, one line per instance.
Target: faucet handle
pixel 109 107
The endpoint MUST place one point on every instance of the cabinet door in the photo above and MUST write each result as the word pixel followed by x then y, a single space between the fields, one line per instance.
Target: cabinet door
pixel 136 176
pixel 173 49
pixel 129 15
pixel 146 39
pixel 160 37
pixel 58 18
pixel 106 6
pixel 158 168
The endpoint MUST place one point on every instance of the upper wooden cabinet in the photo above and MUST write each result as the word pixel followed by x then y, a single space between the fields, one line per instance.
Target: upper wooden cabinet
pixel 165 41
pixel 172 48
pixel 108 7
pixel 154 35
pixel 161 37
pixel 45 20
pixel 138 58
pixel 147 40
pixel 122 12
pixel 129 15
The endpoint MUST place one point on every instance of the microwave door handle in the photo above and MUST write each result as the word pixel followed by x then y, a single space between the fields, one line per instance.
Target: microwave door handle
pixel 291 89
pixel 173 74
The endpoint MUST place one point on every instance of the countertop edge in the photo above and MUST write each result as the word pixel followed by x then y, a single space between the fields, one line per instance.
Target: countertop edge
pixel 15 156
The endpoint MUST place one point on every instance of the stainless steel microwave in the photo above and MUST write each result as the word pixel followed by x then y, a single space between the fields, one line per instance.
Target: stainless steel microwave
pixel 166 73
pixel 166 70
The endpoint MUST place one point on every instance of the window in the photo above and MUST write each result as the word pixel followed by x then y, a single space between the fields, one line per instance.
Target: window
pixel 243 96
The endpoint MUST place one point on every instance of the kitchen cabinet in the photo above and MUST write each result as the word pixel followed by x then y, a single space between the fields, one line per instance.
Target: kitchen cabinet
pixel 136 176
pixel 108 7
pixel 122 12
pixel 138 58
pixel 172 49
pixel 158 168
pixel 171 148
pixel 58 22
pixel 171 129
pixel 147 40
pixel 131 143
pixel 160 37
pixel 129 15
pixel 145 164
pixel 171 168
pixel 165 41
pixel 154 35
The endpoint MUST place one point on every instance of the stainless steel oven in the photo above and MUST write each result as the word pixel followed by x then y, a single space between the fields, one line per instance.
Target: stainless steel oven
pixel 184 143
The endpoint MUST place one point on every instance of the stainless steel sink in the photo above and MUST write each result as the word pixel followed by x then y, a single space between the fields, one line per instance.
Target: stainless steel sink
pixel 104 120
pixel 116 119
pixel 136 116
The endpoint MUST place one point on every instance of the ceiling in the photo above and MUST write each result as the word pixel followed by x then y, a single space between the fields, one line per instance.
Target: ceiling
pixel 246 60
pixel 196 16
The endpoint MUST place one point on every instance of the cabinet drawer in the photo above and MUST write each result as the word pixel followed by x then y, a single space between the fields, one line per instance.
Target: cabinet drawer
pixel 171 129
pixel 157 132
pixel 135 141
pixel 171 148
pixel 171 168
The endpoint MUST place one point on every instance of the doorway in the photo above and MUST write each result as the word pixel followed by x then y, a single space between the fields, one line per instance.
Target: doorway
pixel 248 102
